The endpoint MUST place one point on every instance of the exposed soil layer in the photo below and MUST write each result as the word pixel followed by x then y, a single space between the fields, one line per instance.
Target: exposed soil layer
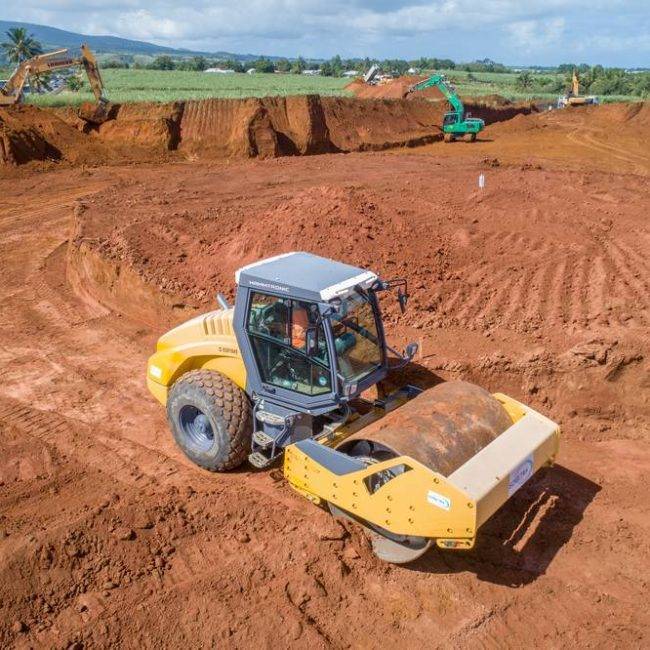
pixel 218 128
pixel 491 108
pixel 538 285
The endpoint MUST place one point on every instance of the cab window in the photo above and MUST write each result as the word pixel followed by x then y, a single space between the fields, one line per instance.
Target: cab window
pixel 278 328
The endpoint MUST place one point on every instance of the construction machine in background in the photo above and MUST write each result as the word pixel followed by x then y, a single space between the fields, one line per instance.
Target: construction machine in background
pixel 455 123
pixel 573 97
pixel 286 375
pixel 12 92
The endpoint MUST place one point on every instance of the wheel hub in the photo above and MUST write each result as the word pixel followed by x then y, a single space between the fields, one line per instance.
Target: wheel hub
pixel 196 425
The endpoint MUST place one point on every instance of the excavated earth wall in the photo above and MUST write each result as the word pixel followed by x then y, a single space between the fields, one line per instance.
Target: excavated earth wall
pixel 218 128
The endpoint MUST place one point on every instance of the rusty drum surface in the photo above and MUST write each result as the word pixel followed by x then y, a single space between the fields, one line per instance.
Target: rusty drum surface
pixel 442 428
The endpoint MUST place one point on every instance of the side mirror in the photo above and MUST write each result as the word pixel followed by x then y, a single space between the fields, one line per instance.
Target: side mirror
pixel 402 299
pixel 411 351
pixel 311 341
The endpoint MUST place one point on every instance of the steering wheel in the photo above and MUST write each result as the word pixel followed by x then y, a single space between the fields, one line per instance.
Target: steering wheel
pixel 284 363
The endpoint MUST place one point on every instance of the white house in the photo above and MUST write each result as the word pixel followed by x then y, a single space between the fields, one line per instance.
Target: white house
pixel 220 70
pixel 351 73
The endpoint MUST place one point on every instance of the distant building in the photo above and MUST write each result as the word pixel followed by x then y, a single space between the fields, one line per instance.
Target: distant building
pixel 220 70
pixel 413 71
pixel 351 73
pixel 311 73
pixel 251 71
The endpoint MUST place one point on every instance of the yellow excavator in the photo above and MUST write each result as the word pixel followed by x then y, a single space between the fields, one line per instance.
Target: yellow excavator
pixel 12 93
pixel 573 96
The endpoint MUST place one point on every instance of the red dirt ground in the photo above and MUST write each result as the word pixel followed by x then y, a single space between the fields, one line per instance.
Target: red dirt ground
pixel 538 286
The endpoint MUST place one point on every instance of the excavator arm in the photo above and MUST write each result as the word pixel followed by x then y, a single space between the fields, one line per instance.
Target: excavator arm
pixel 440 82
pixel 13 91
pixel 89 63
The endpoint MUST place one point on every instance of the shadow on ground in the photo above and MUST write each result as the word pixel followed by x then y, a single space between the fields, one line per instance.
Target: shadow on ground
pixel 519 542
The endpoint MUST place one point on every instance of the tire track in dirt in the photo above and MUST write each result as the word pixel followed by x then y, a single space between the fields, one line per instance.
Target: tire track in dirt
pixel 629 275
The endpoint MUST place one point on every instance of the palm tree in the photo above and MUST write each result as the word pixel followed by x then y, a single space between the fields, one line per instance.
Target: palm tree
pixel 21 45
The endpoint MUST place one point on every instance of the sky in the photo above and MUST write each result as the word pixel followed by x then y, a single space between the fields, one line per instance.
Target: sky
pixel 526 32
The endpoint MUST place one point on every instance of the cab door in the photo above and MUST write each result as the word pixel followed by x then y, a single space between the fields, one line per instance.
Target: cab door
pixel 275 336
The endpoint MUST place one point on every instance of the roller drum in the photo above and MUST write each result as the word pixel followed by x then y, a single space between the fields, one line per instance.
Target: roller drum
pixel 442 428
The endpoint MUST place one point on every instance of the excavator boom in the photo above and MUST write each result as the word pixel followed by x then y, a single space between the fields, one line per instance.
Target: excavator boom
pixel 12 93
pixel 441 83
pixel 455 123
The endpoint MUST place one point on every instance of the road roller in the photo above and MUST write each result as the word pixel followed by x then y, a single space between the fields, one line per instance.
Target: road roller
pixel 295 372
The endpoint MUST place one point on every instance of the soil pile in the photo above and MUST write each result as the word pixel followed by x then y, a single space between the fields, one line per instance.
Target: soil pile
pixel 28 133
pixel 393 89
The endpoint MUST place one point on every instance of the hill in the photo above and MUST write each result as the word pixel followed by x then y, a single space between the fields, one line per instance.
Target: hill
pixel 52 38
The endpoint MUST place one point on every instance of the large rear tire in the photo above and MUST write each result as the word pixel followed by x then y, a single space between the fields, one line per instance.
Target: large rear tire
pixel 472 137
pixel 211 420
pixel 449 137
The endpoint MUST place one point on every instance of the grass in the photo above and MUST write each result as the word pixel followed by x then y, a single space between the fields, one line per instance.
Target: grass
pixel 505 84
pixel 495 83
pixel 164 86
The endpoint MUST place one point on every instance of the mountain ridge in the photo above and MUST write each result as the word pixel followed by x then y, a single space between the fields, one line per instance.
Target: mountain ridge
pixel 53 38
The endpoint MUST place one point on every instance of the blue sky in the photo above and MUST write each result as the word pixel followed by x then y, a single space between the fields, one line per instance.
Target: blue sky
pixel 547 32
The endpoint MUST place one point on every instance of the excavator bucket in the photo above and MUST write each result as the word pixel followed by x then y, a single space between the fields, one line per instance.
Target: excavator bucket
pixel 433 469
pixel 95 113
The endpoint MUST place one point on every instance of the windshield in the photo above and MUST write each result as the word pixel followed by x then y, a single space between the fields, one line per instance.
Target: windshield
pixel 358 348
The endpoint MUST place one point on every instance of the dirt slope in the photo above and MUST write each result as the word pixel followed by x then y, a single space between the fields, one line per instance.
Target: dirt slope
pixel 218 128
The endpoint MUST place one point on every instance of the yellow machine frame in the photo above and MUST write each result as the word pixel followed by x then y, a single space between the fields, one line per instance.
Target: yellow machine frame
pixel 421 502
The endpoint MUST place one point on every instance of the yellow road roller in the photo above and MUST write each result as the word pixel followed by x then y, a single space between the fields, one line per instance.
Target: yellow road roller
pixel 284 376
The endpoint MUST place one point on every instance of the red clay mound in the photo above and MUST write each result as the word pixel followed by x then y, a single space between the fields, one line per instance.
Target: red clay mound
pixel 29 133
pixel 491 108
pixel 145 125
pixel 393 89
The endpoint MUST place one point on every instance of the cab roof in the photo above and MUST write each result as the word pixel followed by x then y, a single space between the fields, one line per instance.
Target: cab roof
pixel 304 276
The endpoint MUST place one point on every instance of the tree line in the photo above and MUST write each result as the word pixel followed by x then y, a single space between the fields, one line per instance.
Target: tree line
pixel 594 80
pixel 334 67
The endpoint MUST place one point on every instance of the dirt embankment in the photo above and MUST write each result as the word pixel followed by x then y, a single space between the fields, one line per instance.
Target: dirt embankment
pixel 490 108
pixel 218 128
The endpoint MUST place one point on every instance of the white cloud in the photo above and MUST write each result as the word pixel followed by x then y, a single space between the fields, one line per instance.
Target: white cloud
pixel 542 31
pixel 535 35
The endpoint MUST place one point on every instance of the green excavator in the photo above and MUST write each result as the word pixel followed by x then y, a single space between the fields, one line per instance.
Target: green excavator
pixel 455 125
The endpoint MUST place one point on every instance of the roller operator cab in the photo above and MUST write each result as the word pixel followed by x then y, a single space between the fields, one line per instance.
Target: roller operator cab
pixel 304 340
pixel 284 374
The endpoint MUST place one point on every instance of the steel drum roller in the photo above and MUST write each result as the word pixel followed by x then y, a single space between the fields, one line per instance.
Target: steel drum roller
pixel 442 428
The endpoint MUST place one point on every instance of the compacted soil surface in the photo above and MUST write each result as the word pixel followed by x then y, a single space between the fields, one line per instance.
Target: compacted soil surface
pixel 537 285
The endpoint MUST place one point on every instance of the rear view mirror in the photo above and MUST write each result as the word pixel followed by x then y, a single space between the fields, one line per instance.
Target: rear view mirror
pixel 311 341
pixel 402 299
pixel 411 351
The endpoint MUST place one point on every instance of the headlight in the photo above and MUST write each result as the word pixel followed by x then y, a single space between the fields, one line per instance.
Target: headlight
pixel 155 371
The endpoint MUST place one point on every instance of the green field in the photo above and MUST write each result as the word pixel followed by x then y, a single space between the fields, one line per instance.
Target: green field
pixel 161 85
pixel 164 86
